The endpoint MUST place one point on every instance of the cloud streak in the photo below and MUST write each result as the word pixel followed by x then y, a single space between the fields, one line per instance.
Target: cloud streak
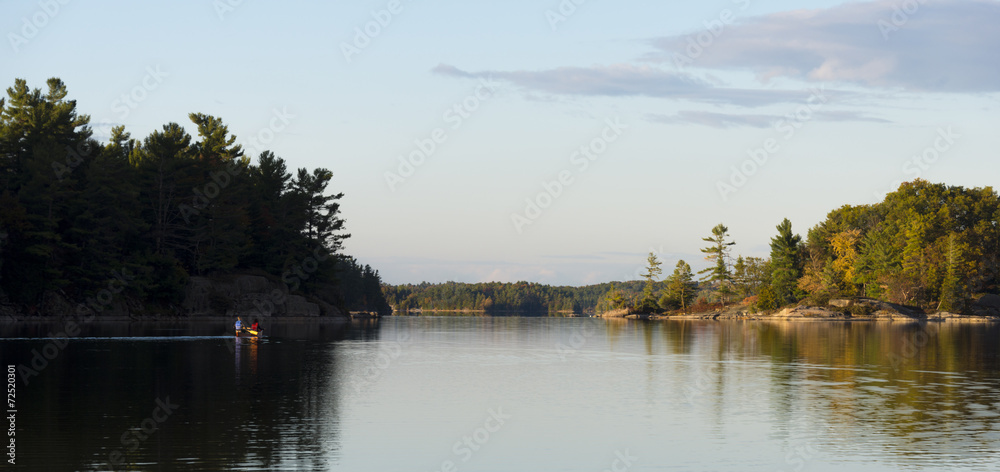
pixel 624 80
pixel 731 120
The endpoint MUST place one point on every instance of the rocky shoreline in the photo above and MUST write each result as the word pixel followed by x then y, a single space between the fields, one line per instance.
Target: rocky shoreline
pixel 984 310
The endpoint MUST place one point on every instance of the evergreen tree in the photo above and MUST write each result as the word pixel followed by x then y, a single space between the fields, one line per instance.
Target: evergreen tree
pixel 652 276
pixel 718 254
pixel 952 288
pixel 221 239
pixel 681 288
pixel 786 263
pixel 271 214
pixel 41 141
pixel 320 220
pixel 749 275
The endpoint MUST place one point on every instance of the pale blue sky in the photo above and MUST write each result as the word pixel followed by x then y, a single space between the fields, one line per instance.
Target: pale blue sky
pixel 889 84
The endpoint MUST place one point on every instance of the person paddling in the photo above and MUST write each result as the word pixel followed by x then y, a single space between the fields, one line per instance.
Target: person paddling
pixel 239 325
pixel 255 325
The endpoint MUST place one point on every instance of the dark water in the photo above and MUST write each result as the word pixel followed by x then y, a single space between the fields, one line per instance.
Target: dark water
pixel 511 394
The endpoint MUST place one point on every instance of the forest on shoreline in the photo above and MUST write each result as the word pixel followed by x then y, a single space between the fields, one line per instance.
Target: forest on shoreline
pixel 136 219
pixel 931 246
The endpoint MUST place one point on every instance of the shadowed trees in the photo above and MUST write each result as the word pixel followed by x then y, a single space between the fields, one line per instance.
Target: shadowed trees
pixel 166 207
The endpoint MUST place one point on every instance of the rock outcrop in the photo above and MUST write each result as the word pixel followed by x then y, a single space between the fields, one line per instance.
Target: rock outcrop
pixel 249 295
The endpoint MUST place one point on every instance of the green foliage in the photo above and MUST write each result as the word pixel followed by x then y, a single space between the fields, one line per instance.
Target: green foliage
pixel 519 297
pixel 767 300
pixel 613 299
pixel 648 303
pixel 167 207
pixel 750 274
pixel 953 296
pixel 361 288
pixel 681 288
pixel 653 270
pixel 786 263
pixel 925 244
pixel 860 310
pixel 718 254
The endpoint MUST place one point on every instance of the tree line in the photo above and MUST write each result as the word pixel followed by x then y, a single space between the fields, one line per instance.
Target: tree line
pixel 496 297
pixel 75 211
pixel 928 245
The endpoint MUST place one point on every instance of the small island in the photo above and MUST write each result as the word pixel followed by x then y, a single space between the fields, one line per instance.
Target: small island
pixel 927 252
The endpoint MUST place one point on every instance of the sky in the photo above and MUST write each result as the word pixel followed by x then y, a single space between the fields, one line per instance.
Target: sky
pixel 549 141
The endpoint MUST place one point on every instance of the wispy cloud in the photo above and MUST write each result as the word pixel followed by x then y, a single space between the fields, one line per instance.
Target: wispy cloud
pixel 732 120
pixel 624 80
pixel 878 46
pixel 941 45
pixel 715 120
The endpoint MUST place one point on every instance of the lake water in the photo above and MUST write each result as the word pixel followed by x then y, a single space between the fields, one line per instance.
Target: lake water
pixel 512 394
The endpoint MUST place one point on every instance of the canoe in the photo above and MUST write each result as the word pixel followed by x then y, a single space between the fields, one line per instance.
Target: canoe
pixel 249 333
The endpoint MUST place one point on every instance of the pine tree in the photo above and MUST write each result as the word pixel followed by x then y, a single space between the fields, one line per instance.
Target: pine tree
pixel 681 288
pixel 786 263
pixel 952 298
pixel 320 221
pixel 718 253
pixel 270 212
pixel 653 272
pixel 41 141
pixel 221 237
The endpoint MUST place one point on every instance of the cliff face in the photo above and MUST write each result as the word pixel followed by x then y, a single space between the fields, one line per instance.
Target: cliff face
pixel 230 296
pixel 248 295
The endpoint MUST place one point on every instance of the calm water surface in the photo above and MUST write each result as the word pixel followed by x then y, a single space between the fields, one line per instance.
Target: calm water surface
pixel 512 394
